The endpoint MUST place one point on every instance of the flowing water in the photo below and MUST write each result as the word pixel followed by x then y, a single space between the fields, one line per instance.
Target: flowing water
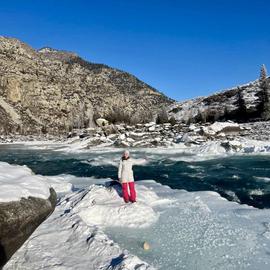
pixel 243 178
pixel 187 235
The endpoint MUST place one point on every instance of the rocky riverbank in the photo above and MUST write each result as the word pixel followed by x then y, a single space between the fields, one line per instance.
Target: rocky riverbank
pixel 152 134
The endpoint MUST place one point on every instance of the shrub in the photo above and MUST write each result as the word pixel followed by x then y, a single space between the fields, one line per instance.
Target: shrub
pixel 172 120
pixel 162 117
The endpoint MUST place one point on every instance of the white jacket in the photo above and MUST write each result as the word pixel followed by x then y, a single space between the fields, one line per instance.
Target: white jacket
pixel 125 172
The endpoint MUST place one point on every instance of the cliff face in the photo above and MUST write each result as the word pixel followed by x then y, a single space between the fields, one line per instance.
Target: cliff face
pixel 52 91
pixel 242 103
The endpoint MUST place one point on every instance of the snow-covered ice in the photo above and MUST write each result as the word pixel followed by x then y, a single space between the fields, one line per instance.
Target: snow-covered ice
pixel 108 209
pixel 93 229
pixel 19 182
pixel 71 239
pixel 59 183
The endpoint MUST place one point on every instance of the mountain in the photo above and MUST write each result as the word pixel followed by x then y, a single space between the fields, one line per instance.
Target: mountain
pixel 53 91
pixel 243 103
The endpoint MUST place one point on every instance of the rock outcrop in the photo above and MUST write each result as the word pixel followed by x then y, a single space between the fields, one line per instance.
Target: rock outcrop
pixel 52 91
pixel 18 219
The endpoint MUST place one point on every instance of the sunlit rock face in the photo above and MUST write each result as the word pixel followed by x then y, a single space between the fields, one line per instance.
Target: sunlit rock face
pixel 52 91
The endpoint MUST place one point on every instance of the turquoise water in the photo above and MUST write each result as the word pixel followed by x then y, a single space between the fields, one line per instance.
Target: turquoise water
pixel 245 179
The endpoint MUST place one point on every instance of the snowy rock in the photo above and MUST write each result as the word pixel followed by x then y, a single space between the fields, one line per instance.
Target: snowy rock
pixel 130 140
pixel 129 128
pixel 192 127
pixel 122 143
pixel 102 122
pixel 226 127
pixel 112 136
pixel 120 128
pixel 221 135
pixel 186 138
pixel 149 124
pixel 152 128
pixel 157 139
pixel 234 146
pixel 221 127
pixel 122 137
pixel 211 148
pixel 26 200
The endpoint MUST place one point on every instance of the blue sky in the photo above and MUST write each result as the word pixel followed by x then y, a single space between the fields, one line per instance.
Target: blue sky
pixel 183 48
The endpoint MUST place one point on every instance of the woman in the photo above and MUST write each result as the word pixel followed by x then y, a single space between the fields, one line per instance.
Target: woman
pixel 126 178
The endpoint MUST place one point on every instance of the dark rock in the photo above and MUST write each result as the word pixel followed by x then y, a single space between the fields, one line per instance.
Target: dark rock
pixel 83 135
pixel 19 219
pixel 109 129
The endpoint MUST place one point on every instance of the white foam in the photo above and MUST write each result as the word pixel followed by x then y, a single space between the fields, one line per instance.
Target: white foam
pixel 264 179
pixel 257 191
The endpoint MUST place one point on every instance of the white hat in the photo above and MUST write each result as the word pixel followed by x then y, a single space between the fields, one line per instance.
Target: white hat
pixel 126 152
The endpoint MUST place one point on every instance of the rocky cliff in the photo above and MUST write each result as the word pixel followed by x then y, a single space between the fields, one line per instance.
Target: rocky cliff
pixel 242 103
pixel 52 91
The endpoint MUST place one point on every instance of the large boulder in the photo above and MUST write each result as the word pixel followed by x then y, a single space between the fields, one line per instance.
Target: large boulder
pixel 18 220
pixel 221 127
pixel 101 122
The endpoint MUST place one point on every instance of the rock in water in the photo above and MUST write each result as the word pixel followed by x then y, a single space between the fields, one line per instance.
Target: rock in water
pixel 18 220
pixel 146 246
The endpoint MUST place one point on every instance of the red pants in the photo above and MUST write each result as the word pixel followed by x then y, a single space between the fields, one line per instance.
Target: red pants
pixel 131 195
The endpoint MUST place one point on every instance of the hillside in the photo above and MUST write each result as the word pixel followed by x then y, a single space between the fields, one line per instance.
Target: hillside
pixel 242 104
pixel 52 91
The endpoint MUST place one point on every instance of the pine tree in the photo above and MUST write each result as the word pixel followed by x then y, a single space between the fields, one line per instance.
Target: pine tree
pixel 242 110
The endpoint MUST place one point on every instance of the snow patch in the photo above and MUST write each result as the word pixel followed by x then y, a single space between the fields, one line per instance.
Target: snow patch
pixel 20 182
pixel 108 208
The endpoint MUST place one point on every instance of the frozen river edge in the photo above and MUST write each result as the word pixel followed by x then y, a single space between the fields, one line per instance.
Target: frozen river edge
pixel 74 237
